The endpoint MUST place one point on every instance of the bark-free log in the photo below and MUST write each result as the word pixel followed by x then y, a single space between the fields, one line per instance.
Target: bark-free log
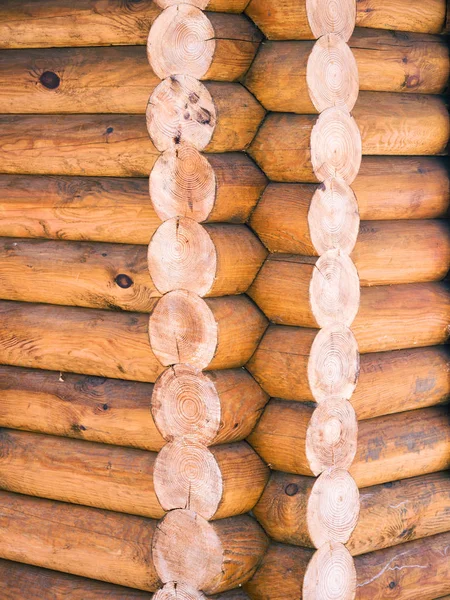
pixel 330 574
pixel 388 382
pixel 211 408
pixel 209 260
pixel 220 482
pixel 80 540
pixel 110 209
pixel 183 40
pixel 182 591
pixel 185 328
pixel 110 276
pixel 232 6
pixel 389 448
pixel 308 148
pixel 79 472
pixel 389 317
pixel 288 20
pixel 390 514
pixel 222 555
pixel 79 340
pixel 216 117
pixel 385 62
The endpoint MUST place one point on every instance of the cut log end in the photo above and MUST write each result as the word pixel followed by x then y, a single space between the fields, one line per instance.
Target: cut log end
pixel 330 574
pixel 181 110
pixel 183 329
pixel 187 476
pixel 333 365
pixel 334 290
pixel 185 403
pixel 336 148
pixel 181 255
pixel 178 591
pixel 332 434
pixel 185 529
pixel 333 217
pixel 331 16
pixel 183 184
pixel 332 74
pixel 333 507
pixel 181 42
pixel 198 3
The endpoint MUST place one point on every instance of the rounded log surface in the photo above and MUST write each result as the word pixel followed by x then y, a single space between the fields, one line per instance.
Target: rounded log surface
pixel 330 574
pixel 332 74
pixel 333 508
pixel 232 6
pixel 332 435
pixel 334 289
pixel 403 15
pixel 333 365
pixel 333 217
pixel 178 591
pixel 181 110
pixel 336 149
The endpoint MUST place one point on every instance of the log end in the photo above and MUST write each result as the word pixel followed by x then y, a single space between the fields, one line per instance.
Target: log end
pixel 330 574
pixel 178 591
pixel 331 16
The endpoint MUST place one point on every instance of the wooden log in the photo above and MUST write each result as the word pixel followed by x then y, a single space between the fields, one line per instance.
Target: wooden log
pixel 388 382
pixel 418 569
pixel 79 540
pixel 209 260
pixel 222 555
pixel 21 582
pixel 323 438
pixel 205 333
pixel 232 6
pixel 292 148
pixel 385 62
pixel 287 20
pixel 390 514
pixel 389 317
pixel 211 408
pixel 78 340
pixel 215 483
pixel 390 447
pixel 215 116
pixel 109 209
pixel 79 472
pixel 308 220
pixel 330 574
pixel 185 41
pixel 109 276
pixel 181 591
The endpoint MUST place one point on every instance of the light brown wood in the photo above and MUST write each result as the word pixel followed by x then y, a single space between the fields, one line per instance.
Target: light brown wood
pixel 209 260
pixel 212 407
pixel 224 481
pixel 78 340
pixel 391 513
pixel 385 61
pixel 232 6
pixel 222 555
pixel 107 276
pixel 291 148
pixel 79 540
pixel 287 19
pixel 220 187
pixel 173 591
pixel 220 117
pixel 184 328
pixel 330 574
pixel 185 41
pixel 79 472
pixel 419 569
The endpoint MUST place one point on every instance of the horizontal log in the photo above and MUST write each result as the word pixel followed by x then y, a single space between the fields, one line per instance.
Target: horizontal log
pixel 117 210
pixel 113 411
pixel 388 382
pixel 129 480
pixel 390 514
pixel 385 62
pixel 84 541
pixel 418 569
pixel 284 20
pixel 391 447
pixel 389 124
pixel 90 342
pixel 60 23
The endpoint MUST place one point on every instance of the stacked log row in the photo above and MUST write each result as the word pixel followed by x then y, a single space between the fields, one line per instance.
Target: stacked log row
pixel 201 271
